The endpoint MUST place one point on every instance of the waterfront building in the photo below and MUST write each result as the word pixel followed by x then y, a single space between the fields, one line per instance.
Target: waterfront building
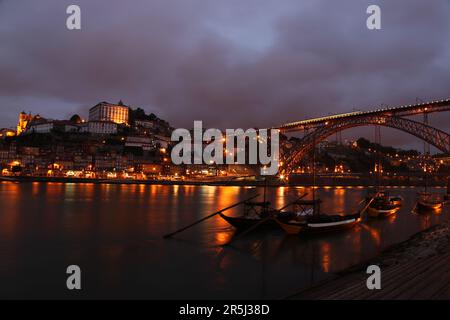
pixel 4 133
pixel 144 143
pixel 6 157
pixel 68 126
pixel 100 127
pixel 24 119
pixel 82 161
pixel 104 111
pixel 146 124
pixel 104 163
pixel 151 168
pixel 40 127
pixel 28 150
pixel 162 141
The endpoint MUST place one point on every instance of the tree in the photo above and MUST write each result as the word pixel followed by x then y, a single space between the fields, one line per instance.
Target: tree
pixel 75 119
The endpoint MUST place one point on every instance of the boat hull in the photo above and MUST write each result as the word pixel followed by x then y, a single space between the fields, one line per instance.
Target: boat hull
pixel 428 206
pixel 381 212
pixel 318 226
pixel 397 202
pixel 447 198
pixel 290 227
pixel 242 223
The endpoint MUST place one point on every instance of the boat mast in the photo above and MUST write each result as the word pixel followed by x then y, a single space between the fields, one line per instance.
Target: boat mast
pixel 425 175
pixel 314 174
pixel 264 208
pixel 448 185
pixel 378 158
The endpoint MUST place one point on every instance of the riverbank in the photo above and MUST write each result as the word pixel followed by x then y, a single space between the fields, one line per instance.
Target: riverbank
pixel 418 268
pixel 235 181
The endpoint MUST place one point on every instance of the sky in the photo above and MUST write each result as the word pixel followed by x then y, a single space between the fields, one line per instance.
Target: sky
pixel 230 63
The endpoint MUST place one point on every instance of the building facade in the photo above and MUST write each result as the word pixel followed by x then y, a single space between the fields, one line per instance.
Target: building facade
pixel 102 127
pixel 105 111
pixel 144 143
pixel 42 127
pixel 4 133
pixel 24 121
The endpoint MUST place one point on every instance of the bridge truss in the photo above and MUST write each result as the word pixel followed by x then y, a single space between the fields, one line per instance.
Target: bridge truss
pixel 433 136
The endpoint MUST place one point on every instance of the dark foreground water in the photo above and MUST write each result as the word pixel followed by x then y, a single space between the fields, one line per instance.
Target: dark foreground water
pixel 114 233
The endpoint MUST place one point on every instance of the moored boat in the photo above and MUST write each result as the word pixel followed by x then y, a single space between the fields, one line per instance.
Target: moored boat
pixel 396 200
pixel 319 223
pixel 262 214
pixel 311 220
pixel 246 222
pixel 447 198
pixel 429 202
pixel 254 212
pixel 430 206
pixel 382 211
pixel 384 205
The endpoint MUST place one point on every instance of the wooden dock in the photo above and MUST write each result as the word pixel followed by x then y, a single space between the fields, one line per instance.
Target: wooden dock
pixel 417 279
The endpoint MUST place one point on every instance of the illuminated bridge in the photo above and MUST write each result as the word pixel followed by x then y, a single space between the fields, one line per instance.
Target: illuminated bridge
pixel 318 129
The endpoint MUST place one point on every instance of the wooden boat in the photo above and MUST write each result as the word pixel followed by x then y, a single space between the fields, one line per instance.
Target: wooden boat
pixel 259 213
pixel 396 200
pixel 382 210
pixel 254 212
pixel 429 202
pixel 447 198
pixel 424 205
pixel 313 221
pixel 393 199
pixel 317 223
pixel 245 222
pixel 384 205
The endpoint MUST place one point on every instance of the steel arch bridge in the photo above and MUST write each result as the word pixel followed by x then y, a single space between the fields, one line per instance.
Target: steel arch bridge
pixel 320 129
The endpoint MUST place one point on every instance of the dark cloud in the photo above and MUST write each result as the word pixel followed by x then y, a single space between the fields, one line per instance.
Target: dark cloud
pixel 230 63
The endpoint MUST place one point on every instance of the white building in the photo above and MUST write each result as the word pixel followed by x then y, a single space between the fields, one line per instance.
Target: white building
pixel 68 127
pixel 105 111
pixel 42 127
pixel 101 127
pixel 162 141
pixel 140 142
pixel 147 124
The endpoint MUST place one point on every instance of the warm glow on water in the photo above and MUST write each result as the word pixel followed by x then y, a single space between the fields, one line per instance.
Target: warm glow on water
pixel 114 232
pixel 325 256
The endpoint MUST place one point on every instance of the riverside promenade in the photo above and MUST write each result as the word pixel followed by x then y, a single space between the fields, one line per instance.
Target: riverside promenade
pixel 417 269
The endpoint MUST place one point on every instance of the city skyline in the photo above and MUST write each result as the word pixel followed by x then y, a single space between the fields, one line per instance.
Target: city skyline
pixel 221 155
pixel 228 64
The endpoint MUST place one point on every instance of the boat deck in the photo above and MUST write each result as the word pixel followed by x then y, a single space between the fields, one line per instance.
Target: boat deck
pixel 418 279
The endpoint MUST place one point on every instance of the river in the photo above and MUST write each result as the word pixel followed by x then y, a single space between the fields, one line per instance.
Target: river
pixel 114 234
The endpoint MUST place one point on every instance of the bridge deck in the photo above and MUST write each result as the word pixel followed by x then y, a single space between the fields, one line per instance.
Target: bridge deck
pixel 405 110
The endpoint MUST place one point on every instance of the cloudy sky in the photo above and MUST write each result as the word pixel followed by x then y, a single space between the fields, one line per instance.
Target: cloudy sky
pixel 230 63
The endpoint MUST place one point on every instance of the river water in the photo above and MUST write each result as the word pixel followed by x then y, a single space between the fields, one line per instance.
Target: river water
pixel 114 234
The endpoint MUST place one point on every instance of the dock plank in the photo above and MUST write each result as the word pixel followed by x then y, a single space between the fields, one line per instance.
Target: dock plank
pixel 426 278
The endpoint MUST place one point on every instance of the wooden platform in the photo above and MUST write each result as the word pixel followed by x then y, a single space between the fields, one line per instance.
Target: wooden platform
pixel 427 278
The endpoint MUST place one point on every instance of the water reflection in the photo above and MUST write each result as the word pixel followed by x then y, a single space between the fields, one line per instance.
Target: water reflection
pixel 115 232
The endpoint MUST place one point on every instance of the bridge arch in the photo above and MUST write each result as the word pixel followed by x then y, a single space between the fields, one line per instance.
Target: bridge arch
pixel 433 136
